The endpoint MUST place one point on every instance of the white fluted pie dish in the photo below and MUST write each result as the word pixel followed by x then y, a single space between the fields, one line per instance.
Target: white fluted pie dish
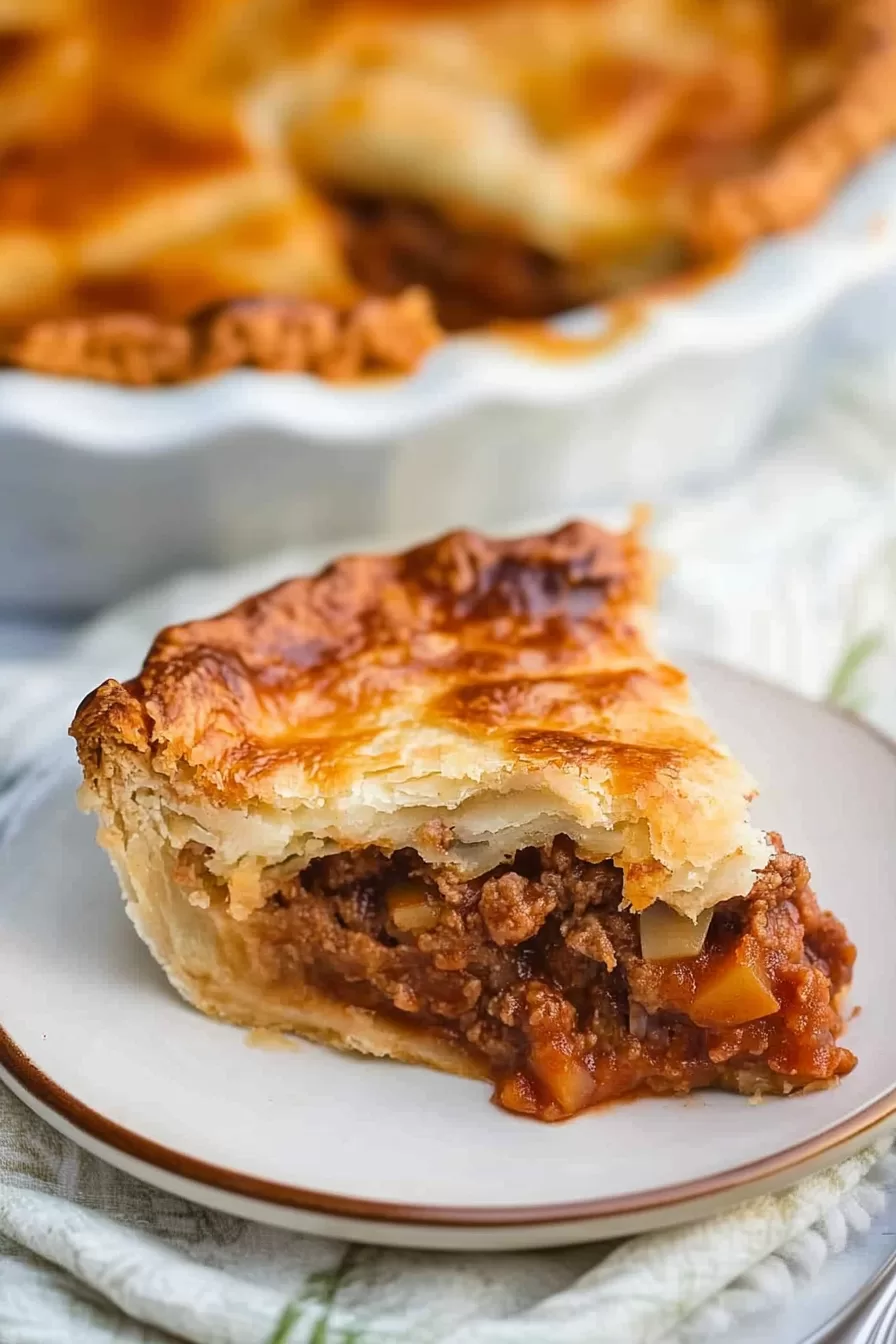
pixel 104 488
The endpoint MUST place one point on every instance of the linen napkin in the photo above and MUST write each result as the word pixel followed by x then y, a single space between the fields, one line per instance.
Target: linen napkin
pixel 790 573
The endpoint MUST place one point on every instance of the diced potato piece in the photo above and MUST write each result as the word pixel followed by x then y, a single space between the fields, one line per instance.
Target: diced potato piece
pixel 516 1094
pixel 668 936
pixel 567 1080
pixel 410 908
pixel 735 993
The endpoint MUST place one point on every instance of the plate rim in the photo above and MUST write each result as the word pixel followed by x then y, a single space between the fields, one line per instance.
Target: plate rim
pixel 125 1142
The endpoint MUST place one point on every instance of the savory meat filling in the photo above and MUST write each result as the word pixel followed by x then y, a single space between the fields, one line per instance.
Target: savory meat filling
pixel 535 970
pixel 476 277
pixel 473 277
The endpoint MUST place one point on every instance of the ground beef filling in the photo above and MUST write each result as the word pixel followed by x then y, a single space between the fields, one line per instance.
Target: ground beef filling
pixel 538 973
pixel 473 277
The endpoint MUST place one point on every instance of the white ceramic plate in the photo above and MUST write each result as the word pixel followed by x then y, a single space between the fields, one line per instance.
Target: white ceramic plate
pixel 94 1040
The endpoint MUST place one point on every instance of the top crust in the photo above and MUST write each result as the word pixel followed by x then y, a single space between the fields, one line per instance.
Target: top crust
pixel 466 698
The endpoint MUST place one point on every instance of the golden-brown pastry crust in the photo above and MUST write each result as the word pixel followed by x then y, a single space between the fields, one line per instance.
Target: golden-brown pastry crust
pixel 149 168
pixel 374 336
pixel 506 690
pixel 809 165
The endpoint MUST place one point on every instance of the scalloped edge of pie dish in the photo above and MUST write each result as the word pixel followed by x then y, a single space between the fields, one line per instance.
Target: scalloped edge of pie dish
pixel 780 285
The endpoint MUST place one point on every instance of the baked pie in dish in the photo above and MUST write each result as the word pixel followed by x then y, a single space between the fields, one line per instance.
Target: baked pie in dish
pixel 384 170
pixel 448 806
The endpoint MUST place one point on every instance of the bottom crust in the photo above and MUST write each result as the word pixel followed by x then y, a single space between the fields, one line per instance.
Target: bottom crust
pixel 203 954
pixel 319 1017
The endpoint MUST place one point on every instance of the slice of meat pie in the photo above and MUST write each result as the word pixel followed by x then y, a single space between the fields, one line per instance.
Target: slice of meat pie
pixel 448 806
